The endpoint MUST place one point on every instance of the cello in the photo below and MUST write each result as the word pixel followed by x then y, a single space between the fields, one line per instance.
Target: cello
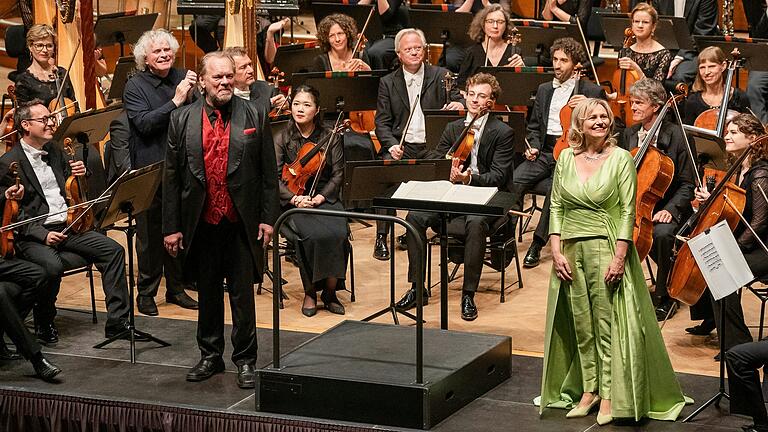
pixel 79 219
pixel 10 215
pixel 686 282
pixel 716 118
pixel 622 80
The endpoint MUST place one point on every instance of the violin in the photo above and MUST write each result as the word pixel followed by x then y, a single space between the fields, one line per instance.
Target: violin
pixel 726 201
pixel 10 215
pixel 363 122
pixel 309 161
pixel 565 116
pixel 716 118
pixel 462 148
pixel 79 219
pixel 276 77
pixel 622 80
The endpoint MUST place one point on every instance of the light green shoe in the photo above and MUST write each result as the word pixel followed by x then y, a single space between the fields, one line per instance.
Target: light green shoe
pixel 583 411
pixel 603 420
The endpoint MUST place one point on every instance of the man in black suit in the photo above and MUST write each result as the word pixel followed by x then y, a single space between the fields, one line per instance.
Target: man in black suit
pixel 544 129
pixel 247 87
pixel 757 87
pixel 220 200
pixel 44 171
pixel 489 165
pixel 746 393
pixel 647 97
pixel 397 97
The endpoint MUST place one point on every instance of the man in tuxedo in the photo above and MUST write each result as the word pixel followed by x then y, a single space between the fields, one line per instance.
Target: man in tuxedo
pixel 544 129
pixel 220 200
pixel 44 170
pixel 247 87
pixel 647 97
pixel 397 98
pixel 489 165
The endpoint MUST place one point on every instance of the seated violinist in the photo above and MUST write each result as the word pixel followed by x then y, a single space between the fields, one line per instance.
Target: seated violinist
pixel 544 129
pixel 338 35
pixel 321 242
pixel 647 97
pixel 488 165
pixel 42 78
pixel 646 57
pixel 248 87
pixel 44 170
pixel 397 96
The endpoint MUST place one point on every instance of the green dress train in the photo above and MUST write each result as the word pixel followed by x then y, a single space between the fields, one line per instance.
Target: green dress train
pixel 640 376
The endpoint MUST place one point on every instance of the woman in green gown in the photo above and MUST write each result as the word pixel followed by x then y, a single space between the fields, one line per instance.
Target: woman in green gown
pixel 603 345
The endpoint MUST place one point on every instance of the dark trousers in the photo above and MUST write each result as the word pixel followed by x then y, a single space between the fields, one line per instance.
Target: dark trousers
pixel 21 282
pixel 207 33
pixel 153 259
pixel 222 251
pixel 661 254
pixel 473 230
pixel 106 254
pixel 526 176
pixel 410 151
pixel 742 362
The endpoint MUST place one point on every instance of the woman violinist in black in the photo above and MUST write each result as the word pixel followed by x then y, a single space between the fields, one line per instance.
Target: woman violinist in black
pixel 322 245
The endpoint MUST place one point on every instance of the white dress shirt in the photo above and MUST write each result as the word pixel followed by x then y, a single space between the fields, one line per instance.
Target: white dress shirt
pixel 47 180
pixel 479 127
pixel 680 8
pixel 416 132
pixel 559 100
pixel 243 94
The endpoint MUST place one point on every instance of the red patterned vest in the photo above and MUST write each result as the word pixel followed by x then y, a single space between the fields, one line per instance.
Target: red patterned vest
pixel 218 203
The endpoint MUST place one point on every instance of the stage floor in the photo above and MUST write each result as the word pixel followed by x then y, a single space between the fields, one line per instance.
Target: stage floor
pixel 158 379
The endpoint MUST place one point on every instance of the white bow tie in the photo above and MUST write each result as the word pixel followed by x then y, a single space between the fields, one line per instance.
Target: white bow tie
pixel 556 83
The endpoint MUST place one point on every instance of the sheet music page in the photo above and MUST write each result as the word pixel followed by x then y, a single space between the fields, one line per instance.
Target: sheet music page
pixel 720 260
pixel 423 190
pixel 470 194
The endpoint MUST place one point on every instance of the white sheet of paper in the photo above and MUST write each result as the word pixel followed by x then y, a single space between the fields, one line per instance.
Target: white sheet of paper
pixel 720 260
pixel 442 190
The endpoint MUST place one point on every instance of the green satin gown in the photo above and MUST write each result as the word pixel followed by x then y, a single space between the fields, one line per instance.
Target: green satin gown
pixel 626 358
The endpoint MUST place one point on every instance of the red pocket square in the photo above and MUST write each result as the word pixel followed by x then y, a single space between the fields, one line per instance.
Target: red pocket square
pixel 250 131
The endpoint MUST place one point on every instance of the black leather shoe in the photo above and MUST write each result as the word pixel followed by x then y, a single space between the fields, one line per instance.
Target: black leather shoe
pixel 703 329
pixel 380 249
pixel 146 305
pixel 6 353
pixel 47 334
pixel 468 308
pixel 205 369
pixel 183 300
pixel 402 243
pixel 114 330
pixel 409 300
pixel 663 310
pixel 332 304
pixel 246 376
pixel 533 257
pixel 44 368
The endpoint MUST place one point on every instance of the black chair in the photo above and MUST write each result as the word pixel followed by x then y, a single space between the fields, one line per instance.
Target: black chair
pixel 16 47
pixel 762 295
pixel 539 190
pixel 75 264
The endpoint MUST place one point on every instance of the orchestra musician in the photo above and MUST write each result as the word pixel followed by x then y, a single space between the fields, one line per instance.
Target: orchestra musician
pixel 394 17
pixel 321 242
pixel 602 344
pixel 397 96
pixel 646 57
pixel 709 86
pixel 567 11
pixel 544 129
pixel 337 34
pixel 44 170
pixel 491 30
pixel 248 87
pixel 39 81
pixel 149 98
pixel 757 86
pixel 647 97
pixel 20 283
pixel 489 165
pixel 741 131
pixel 220 200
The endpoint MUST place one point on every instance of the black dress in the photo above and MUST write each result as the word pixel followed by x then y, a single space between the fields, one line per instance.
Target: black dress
pixel 475 59
pixel 654 64
pixel 322 63
pixel 322 245
pixel 28 87
pixel 695 105
pixel 575 8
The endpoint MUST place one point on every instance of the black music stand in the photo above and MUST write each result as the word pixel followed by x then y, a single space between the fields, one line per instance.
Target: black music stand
pixel 343 91
pixel 133 194
pixel 89 126
pixel 709 146
pixel 296 58
pixel 753 51
pixel 538 36
pixel 125 68
pixel 358 12
pixel 122 29
pixel 615 24
pixel 443 27
pixel 519 85
pixel 365 180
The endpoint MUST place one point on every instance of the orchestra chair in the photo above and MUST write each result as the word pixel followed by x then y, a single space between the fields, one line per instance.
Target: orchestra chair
pixel 538 190
pixel 500 250
pixel 73 265
pixel 16 47
pixel 762 295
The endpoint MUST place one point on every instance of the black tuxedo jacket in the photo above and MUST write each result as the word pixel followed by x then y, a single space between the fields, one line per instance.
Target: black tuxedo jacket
pixel 537 124
pixel 494 157
pixel 677 199
pixel 251 173
pixel 34 203
pixel 393 106
pixel 261 93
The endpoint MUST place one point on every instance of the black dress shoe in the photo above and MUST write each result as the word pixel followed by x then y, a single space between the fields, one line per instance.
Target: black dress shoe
pixel 409 300
pixel 717 357
pixel 47 334
pixel 146 305
pixel 205 369
pixel 114 330
pixel 183 300
pixel 246 376
pixel 6 353
pixel 468 308
pixel 332 304
pixel 663 310
pixel 380 249
pixel 703 329
pixel 43 368
pixel 402 242
pixel 533 257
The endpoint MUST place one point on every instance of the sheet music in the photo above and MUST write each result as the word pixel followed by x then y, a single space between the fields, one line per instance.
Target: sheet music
pixel 444 191
pixel 720 260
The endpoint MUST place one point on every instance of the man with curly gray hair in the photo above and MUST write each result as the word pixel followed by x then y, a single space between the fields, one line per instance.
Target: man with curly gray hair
pixel 150 97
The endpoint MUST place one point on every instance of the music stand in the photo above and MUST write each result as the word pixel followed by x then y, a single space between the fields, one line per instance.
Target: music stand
pixel 751 50
pixel 343 90
pixel 122 29
pixel 366 180
pixel 125 68
pixel 358 12
pixel 296 58
pixel 441 27
pixel 710 144
pixel 538 36
pixel 615 24
pixel 435 122
pixel 133 193
pixel 519 85
pixel 89 126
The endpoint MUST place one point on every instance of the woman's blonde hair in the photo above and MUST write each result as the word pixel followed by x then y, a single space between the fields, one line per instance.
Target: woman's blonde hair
pixel 711 54
pixel 576 139
pixel 39 32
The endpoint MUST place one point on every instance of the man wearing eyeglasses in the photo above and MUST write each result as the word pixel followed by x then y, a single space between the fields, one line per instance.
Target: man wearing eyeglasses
pixel 397 96
pixel 44 170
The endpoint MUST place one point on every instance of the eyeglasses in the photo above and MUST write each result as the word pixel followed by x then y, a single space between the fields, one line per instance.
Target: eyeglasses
pixel 497 22
pixel 415 49
pixel 45 120
pixel 39 47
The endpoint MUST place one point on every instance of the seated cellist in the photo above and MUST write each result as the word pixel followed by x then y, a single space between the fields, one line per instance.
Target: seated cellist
pixel 647 97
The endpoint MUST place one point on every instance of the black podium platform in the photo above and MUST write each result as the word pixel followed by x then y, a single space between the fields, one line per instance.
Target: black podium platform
pixel 364 372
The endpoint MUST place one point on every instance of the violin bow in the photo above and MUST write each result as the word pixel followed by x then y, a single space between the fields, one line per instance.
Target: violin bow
pixel 688 149
pixel 93 202
pixel 66 75
pixel 743 219
pixel 360 39
pixel 586 48
pixel 329 139
pixel 408 123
